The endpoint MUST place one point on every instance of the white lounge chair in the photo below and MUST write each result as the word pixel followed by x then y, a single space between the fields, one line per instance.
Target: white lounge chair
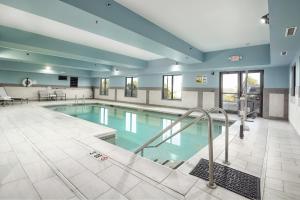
pixel 60 95
pixel 4 98
pixel 43 94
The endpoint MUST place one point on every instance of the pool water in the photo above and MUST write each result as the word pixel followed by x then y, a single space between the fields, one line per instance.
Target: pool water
pixel 135 127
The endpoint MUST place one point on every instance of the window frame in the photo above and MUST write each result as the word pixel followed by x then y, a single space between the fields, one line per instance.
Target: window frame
pixel 240 80
pixel 172 91
pixel 106 88
pixel 72 81
pixel 131 87
pixel 293 83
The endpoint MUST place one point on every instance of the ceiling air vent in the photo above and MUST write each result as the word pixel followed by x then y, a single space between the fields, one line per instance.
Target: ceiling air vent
pixel 291 31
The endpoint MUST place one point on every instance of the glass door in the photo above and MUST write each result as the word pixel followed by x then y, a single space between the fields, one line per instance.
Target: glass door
pixel 230 91
pixel 254 90
pixel 232 86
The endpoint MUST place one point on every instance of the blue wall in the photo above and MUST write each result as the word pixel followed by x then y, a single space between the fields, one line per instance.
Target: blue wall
pixel 13 77
pixel 188 80
pixel 155 80
pixel 274 77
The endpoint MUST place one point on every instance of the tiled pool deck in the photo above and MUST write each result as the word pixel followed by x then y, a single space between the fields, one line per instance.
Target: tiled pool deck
pixel 45 155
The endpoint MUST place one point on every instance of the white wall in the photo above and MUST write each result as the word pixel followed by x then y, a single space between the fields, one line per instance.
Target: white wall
pixel 276 105
pixel 32 92
pixel 294 102
pixel 141 96
pixel 208 100
pixel 189 99
pixel 111 94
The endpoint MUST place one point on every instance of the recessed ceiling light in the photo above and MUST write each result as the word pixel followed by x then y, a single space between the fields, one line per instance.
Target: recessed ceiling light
pixel 48 68
pixel 265 19
pixel 283 53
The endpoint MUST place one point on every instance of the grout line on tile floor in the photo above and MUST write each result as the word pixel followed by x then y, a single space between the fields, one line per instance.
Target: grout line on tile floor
pixel 56 171
pixel 27 177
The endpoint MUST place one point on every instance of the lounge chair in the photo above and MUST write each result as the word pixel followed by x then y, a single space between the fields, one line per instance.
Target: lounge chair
pixel 60 95
pixel 4 98
pixel 43 94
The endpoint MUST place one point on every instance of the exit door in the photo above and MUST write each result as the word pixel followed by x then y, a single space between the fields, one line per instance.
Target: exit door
pixel 231 89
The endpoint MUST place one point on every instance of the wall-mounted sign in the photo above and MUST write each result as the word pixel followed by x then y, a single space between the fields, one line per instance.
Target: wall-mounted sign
pixel 235 58
pixel 201 79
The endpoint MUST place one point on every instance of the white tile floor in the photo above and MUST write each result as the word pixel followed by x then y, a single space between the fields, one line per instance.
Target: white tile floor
pixel 45 155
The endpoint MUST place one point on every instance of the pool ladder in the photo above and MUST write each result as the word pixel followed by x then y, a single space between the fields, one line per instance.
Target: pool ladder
pixel 77 100
pixel 205 116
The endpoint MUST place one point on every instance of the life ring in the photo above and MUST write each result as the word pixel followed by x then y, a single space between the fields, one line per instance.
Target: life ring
pixel 27 82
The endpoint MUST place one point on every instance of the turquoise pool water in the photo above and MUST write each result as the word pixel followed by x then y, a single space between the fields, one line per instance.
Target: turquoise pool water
pixel 135 127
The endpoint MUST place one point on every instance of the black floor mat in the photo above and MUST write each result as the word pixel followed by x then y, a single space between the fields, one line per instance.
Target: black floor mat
pixel 230 179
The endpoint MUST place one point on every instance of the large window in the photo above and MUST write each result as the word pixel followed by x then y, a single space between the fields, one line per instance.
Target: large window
pixel 131 87
pixel 293 88
pixel 74 82
pixel 104 85
pixel 172 87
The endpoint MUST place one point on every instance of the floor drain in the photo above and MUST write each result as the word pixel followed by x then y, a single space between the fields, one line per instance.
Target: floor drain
pixel 236 181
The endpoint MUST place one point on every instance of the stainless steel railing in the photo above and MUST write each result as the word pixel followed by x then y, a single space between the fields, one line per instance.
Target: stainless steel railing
pixel 211 183
pixel 76 99
pixel 205 115
pixel 226 160
pixel 83 99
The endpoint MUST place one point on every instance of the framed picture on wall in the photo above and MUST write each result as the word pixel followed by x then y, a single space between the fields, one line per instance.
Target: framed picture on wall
pixel 201 79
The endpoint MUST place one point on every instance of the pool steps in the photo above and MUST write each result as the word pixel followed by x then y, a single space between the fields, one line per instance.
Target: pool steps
pixel 205 115
pixel 174 164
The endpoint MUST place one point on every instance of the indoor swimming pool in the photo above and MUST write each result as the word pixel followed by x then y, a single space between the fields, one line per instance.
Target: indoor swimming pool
pixel 135 127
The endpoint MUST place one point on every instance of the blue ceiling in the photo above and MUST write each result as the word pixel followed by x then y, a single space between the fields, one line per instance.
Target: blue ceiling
pixel 284 14
pixel 25 41
pixel 120 24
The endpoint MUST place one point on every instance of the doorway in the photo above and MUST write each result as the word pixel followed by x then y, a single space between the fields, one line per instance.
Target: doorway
pixel 231 89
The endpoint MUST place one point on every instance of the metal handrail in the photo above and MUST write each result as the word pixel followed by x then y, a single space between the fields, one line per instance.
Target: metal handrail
pixel 211 183
pixel 178 131
pixel 76 99
pixel 168 128
pixel 83 99
pixel 226 161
